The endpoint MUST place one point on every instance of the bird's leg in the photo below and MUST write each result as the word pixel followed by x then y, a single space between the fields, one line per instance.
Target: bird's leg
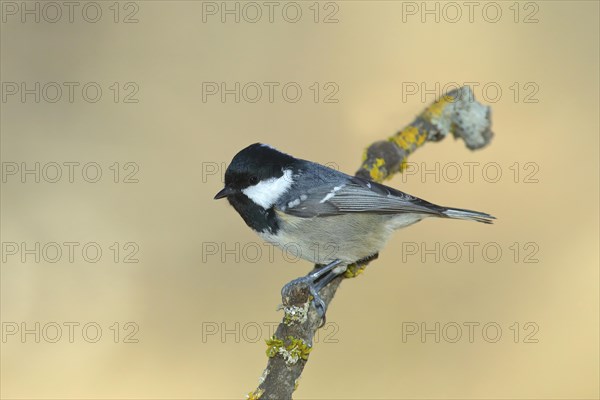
pixel 316 281
pixel 320 305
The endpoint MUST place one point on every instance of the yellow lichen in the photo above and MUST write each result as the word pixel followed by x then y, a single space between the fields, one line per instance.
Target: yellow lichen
pixel 297 349
pixel 436 109
pixel 403 164
pixel 409 139
pixel 376 173
pixel 354 270
pixel 255 395
pixel 421 138
pixel 273 346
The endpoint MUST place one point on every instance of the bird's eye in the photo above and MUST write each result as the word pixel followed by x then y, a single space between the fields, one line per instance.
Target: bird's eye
pixel 253 180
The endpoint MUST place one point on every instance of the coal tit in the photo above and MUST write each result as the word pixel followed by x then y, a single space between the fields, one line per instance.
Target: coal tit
pixel 320 214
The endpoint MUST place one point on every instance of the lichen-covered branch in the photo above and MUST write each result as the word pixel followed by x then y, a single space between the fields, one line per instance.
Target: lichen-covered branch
pixel 456 113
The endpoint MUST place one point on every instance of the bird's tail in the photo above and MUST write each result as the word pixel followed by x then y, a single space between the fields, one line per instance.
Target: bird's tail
pixel 458 213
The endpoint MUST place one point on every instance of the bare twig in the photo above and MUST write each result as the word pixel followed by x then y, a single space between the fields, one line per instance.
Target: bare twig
pixel 456 113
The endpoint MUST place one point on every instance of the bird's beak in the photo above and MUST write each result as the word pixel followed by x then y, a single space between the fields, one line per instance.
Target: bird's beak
pixel 226 191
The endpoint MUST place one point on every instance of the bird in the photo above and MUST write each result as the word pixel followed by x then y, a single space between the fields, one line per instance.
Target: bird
pixel 320 214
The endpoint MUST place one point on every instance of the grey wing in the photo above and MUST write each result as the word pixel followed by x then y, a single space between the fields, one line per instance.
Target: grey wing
pixel 351 195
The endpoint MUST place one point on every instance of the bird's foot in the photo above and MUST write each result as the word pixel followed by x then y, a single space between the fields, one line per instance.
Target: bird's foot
pixel 314 282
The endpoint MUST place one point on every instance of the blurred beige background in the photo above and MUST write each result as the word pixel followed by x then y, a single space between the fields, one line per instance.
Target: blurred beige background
pixel 199 322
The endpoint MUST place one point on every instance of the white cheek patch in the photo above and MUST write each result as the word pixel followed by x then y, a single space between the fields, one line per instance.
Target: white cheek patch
pixel 266 193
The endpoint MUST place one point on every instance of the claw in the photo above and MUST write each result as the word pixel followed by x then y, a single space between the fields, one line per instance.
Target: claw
pixel 319 304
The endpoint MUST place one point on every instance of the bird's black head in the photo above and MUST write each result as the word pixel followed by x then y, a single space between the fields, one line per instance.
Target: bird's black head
pixel 254 181
pixel 255 164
